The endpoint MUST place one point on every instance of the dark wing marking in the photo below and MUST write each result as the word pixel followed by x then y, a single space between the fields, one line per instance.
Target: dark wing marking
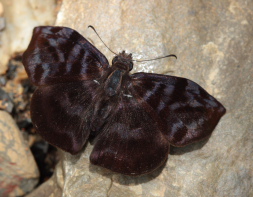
pixel 61 113
pixel 60 54
pixel 131 142
pixel 190 112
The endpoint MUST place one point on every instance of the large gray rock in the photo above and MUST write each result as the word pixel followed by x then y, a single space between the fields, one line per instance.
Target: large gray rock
pixel 213 42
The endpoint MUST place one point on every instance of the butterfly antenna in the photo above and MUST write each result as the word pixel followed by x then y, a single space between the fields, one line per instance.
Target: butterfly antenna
pixel 171 55
pixel 101 39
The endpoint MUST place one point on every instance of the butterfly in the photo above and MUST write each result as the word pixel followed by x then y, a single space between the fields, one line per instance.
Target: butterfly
pixel 134 118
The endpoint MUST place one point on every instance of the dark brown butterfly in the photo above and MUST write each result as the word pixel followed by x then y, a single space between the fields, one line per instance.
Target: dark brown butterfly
pixel 135 118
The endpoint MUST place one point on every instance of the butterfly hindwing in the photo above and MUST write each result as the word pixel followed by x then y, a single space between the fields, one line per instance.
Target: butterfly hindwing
pixel 131 143
pixel 60 54
pixel 189 111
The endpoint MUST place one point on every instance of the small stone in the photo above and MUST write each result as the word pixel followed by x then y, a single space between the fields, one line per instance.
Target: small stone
pixel 2 80
pixel 5 101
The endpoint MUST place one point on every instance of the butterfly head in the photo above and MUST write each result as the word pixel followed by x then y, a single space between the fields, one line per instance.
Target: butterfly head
pixel 123 61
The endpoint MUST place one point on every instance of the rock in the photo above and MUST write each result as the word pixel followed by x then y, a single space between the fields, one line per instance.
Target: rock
pixel 19 173
pixel 49 188
pixel 213 43
pixel 21 17
pixel 5 101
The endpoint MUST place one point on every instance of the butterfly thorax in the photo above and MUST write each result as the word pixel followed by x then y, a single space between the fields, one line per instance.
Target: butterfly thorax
pixel 121 65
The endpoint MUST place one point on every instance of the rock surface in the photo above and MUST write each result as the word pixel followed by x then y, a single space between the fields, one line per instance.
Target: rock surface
pixel 213 42
pixel 18 170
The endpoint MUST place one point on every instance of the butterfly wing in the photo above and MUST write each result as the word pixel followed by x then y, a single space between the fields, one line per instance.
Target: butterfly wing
pixel 131 143
pixel 65 66
pixel 60 54
pixel 189 112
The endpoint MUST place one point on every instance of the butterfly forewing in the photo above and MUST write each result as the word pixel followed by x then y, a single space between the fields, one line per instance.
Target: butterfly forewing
pixel 60 54
pixel 190 112
pixel 66 67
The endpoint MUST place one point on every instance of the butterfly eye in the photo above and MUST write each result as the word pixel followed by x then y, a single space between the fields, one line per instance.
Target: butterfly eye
pixel 131 64
pixel 115 59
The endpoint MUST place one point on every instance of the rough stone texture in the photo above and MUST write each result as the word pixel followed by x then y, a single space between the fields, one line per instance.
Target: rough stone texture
pixel 20 18
pixel 18 170
pixel 213 42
